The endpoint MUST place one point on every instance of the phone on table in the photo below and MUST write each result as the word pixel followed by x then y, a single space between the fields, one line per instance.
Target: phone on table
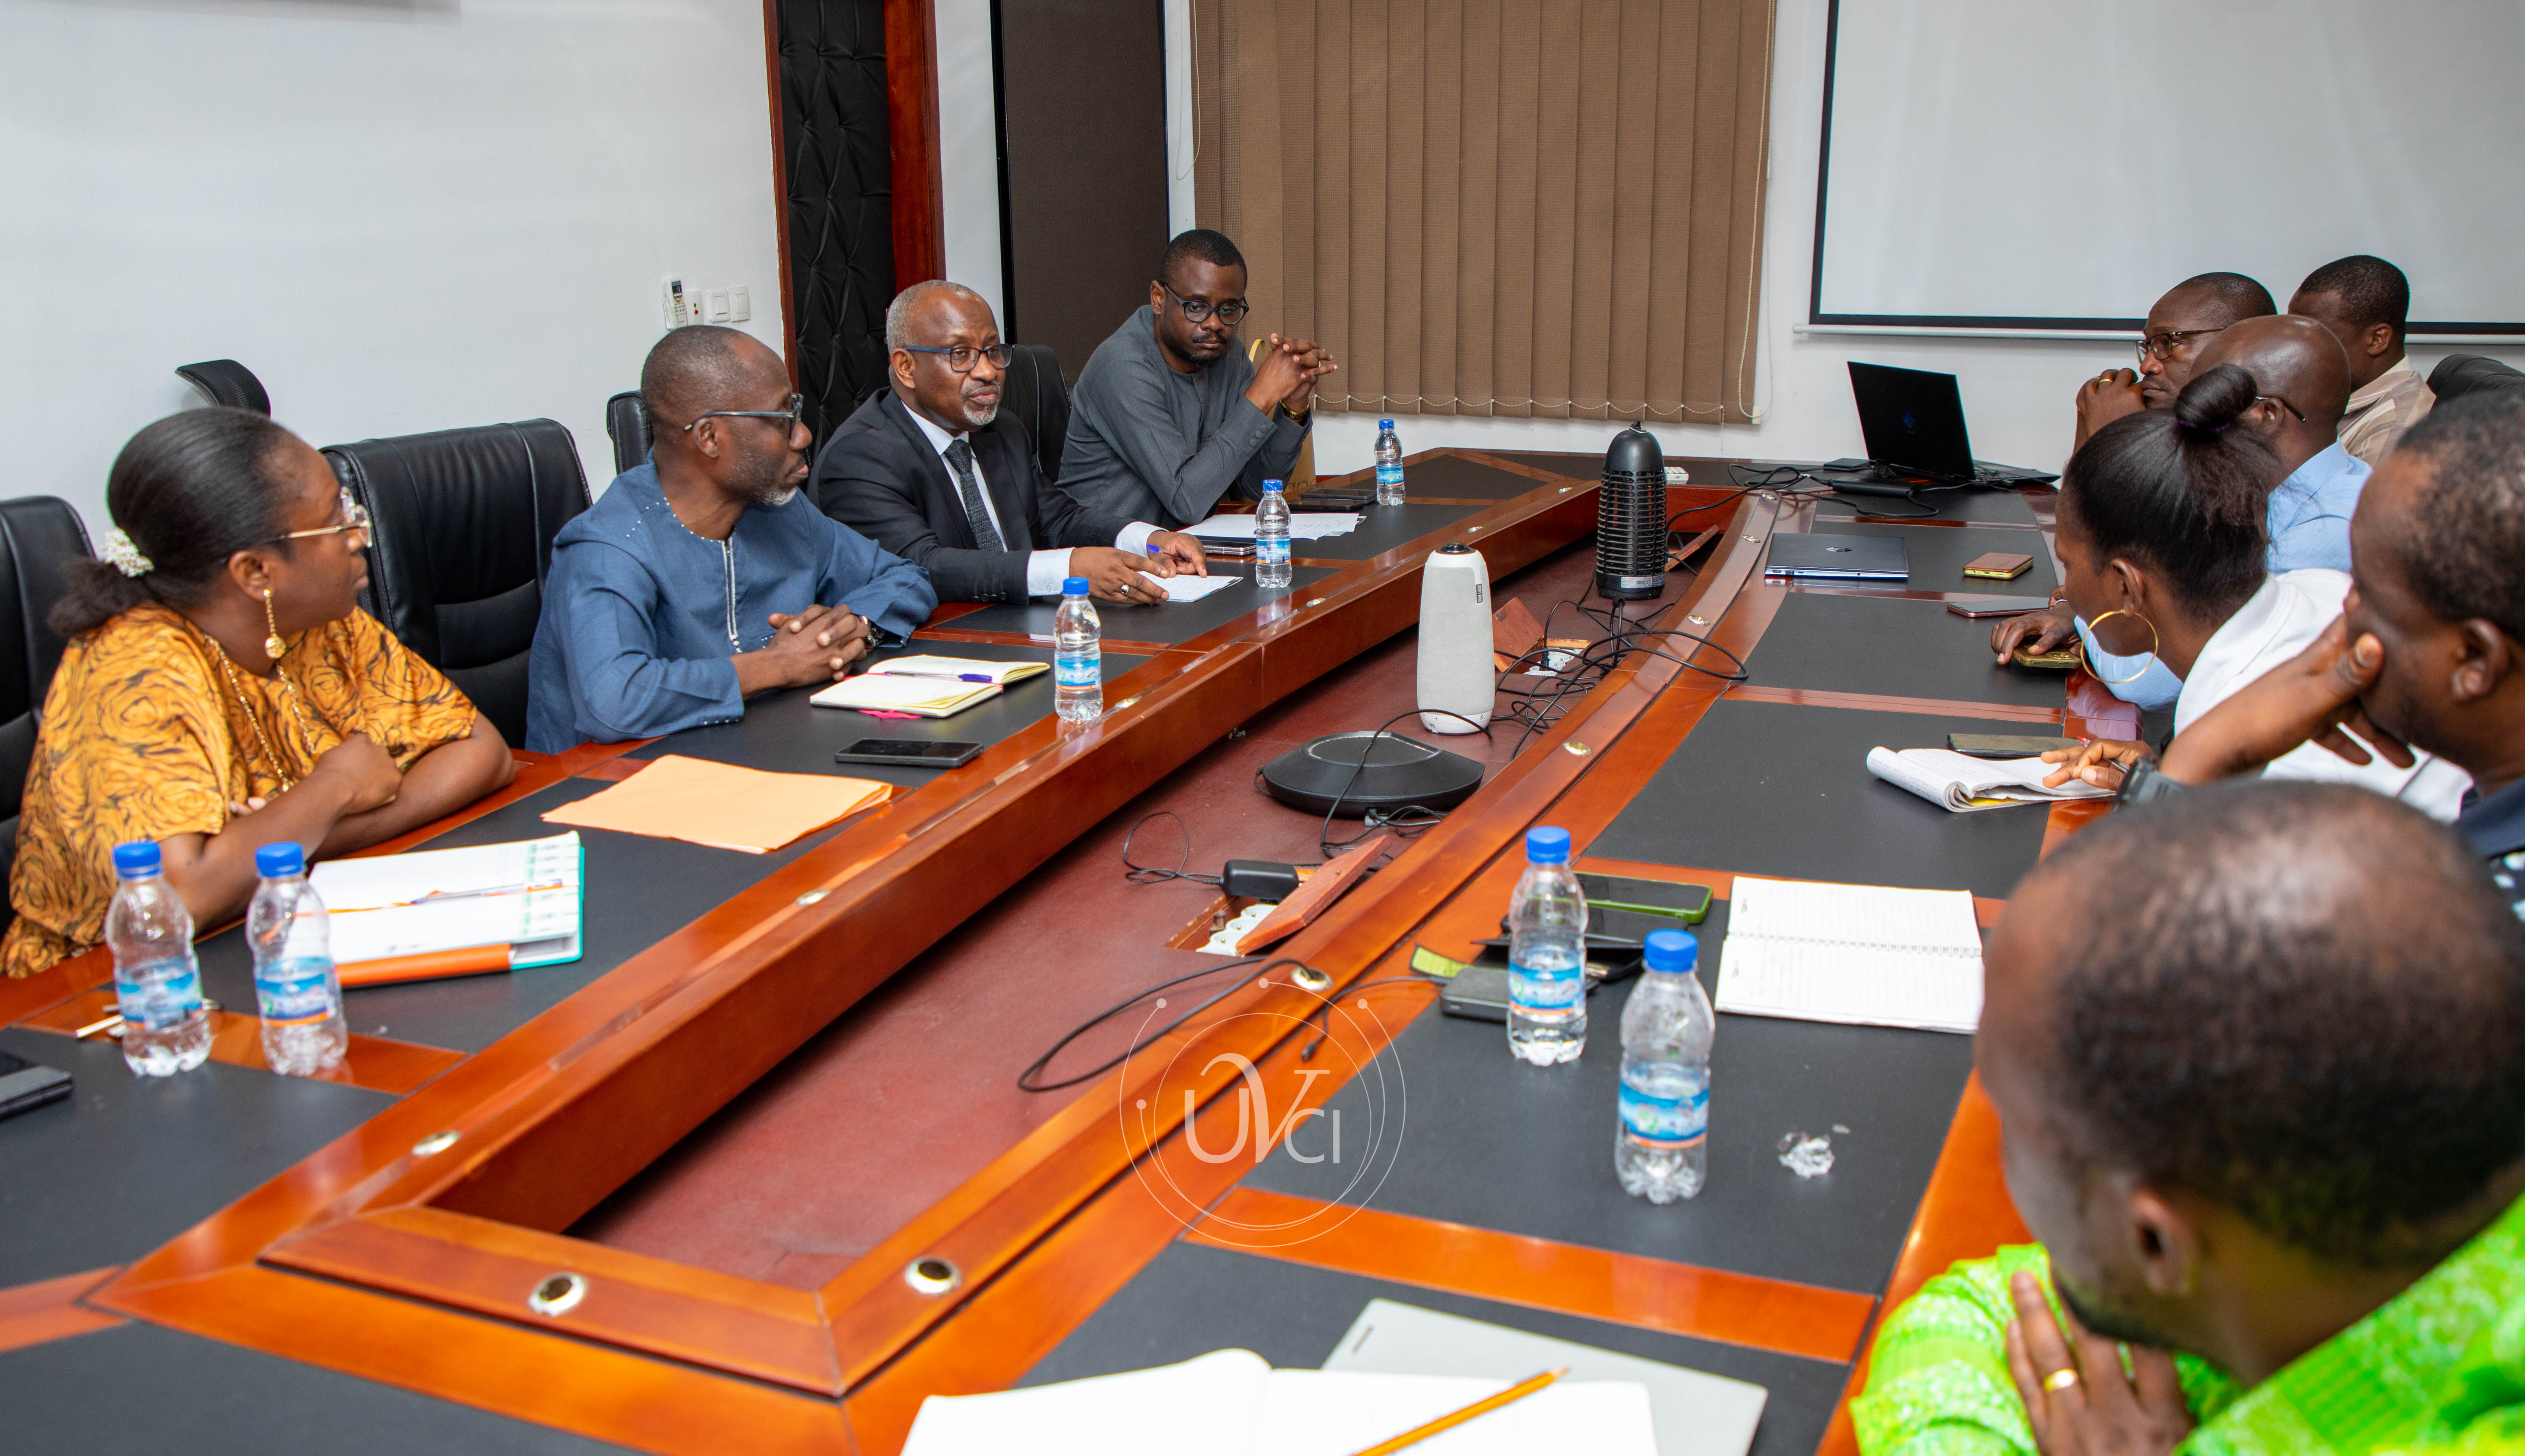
pixel 2006 745
pixel 2000 606
pixel 909 753
pixel 1661 897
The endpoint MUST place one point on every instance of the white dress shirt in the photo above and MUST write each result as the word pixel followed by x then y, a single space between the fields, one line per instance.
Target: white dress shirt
pixel 2279 622
pixel 1044 569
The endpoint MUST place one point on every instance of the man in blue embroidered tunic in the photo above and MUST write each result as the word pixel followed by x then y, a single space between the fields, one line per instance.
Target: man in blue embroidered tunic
pixel 704 576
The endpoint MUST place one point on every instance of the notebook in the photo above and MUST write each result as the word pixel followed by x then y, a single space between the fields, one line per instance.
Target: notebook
pixel 720 805
pixel 1231 1403
pixel 525 898
pixel 921 697
pixel 1862 955
pixel 1955 782
pixel 957 669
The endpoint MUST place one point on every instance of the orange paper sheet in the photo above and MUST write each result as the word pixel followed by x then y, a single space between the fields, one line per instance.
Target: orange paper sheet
pixel 722 805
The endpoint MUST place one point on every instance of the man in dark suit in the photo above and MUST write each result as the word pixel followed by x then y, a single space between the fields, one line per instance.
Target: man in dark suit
pixel 928 470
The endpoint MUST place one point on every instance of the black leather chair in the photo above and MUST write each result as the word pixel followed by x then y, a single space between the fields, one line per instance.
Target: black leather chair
pixel 627 423
pixel 1038 398
pixel 465 528
pixel 227 382
pixel 2460 374
pixel 40 535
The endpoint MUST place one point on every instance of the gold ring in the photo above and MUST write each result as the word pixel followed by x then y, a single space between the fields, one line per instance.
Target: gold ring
pixel 2060 1379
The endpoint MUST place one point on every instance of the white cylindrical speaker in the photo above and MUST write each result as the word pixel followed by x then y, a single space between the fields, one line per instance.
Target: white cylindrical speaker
pixel 1455 640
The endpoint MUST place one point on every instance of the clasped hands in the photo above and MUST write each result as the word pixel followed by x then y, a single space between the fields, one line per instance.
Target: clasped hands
pixel 815 645
pixel 1286 374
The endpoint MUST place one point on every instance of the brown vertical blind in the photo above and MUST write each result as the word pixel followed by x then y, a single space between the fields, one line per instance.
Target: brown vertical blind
pixel 1548 208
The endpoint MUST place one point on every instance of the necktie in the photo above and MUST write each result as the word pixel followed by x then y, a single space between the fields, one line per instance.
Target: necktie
pixel 959 456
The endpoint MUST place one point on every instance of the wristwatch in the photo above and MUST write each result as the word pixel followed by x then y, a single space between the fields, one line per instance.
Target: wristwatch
pixel 2141 782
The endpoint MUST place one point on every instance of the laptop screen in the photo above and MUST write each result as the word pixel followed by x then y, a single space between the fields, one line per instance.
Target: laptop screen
pixel 1912 420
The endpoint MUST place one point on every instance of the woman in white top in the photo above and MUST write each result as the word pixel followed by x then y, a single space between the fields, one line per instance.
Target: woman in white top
pixel 2160 532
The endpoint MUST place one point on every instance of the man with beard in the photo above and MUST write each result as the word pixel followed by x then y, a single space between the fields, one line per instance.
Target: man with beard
pixel 701 578
pixel 928 470
pixel 2259 1056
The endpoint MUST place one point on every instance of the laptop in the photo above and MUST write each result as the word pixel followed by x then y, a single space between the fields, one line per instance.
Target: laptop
pixel 1913 423
pixel 1839 558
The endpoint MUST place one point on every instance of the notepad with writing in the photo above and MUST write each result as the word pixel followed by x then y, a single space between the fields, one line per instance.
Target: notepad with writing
pixel 1961 783
pixel 520 903
pixel 1863 955
pixel 1231 1403
pixel 722 805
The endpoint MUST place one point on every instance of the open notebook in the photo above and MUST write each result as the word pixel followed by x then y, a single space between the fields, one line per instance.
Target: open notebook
pixel 518 903
pixel 1862 954
pixel 1962 783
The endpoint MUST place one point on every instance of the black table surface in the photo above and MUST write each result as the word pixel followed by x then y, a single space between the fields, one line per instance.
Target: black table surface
pixel 1894 647
pixel 2001 504
pixel 130 1161
pixel 1453 477
pixel 1938 554
pixel 1380 530
pixel 1166 622
pixel 1771 789
pixel 1193 1299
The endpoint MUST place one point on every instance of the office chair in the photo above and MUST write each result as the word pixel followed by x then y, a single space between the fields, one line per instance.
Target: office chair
pixel 1037 397
pixel 2460 374
pixel 227 382
pixel 464 527
pixel 627 423
pixel 40 535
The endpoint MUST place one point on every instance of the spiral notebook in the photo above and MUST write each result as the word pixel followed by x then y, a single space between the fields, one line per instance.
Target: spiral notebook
pixel 1859 954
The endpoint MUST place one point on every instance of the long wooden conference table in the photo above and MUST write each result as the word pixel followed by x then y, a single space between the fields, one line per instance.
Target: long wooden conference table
pixel 756 1173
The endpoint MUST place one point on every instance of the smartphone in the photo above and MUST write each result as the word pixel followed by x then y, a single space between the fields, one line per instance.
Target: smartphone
pixel 1998 606
pixel 909 753
pixel 2000 566
pixel 2005 745
pixel 2062 658
pixel 1661 897
pixel 25 1087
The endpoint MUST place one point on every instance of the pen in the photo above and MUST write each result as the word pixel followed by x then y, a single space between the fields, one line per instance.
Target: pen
pixel 1482 1407
pixel 936 676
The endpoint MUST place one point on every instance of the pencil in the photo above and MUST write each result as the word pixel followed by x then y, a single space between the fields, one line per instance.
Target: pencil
pixel 1482 1407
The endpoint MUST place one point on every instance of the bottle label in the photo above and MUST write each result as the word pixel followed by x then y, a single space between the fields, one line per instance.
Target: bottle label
pixel 294 991
pixel 1389 474
pixel 1546 990
pixel 159 995
pixel 1666 1124
pixel 1078 669
pixel 1271 549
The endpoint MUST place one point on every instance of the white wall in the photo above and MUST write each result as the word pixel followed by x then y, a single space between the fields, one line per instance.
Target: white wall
pixel 969 148
pixel 402 214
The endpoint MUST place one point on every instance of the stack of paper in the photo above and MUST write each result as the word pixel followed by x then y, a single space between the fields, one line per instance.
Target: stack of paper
pixel 1962 783
pixel 1304 526
pixel 524 897
pixel 722 805
pixel 1861 954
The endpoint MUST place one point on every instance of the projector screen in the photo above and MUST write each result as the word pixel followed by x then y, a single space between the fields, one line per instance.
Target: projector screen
pixel 2005 165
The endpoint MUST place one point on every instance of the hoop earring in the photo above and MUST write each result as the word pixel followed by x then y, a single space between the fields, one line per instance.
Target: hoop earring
pixel 272 646
pixel 2152 646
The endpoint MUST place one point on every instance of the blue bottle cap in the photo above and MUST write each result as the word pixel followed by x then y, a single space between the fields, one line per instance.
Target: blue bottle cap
pixel 1270 487
pixel 1385 425
pixel 1673 950
pixel 136 859
pixel 1073 587
pixel 1545 845
pixel 280 857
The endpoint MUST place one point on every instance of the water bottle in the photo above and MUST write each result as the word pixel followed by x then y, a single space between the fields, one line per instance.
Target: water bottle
pixel 1271 538
pixel 1547 955
pixel 156 980
pixel 1077 658
pixel 1661 1149
pixel 1389 464
pixel 294 983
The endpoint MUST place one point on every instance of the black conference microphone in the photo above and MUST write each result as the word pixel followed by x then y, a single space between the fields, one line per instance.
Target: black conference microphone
pixel 1630 519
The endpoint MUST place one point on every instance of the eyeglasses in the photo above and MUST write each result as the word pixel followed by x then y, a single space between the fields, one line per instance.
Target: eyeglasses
pixel 961 358
pixel 355 516
pixel 2161 346
pixel 789 416
pixel 1229 313
pixel 2282 404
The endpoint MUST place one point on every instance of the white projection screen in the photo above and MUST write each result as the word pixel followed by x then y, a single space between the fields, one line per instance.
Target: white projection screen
pixel 2033 165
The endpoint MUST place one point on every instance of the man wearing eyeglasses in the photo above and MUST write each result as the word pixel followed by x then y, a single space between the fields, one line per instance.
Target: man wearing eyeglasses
pixel 929 471
pixel 2178 328
pixel 1169 417
pixel 701 578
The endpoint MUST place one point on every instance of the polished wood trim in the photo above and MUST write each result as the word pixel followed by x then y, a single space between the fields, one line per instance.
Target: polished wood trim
pixel 918 207
pixel 1714 1304
pixel 1123 645
pixel 2097 713
pixel 34 1314
pixel 1544 473
pixel 2069 816
pixel 25 996
pixel 1873 703
pixel 377 1063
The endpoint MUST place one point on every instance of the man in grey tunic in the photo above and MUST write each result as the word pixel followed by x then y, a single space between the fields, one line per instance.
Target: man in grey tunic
pixel 1169 417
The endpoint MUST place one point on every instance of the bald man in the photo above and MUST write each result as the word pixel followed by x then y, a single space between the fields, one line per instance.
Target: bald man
pixel 2304 376
pixel 928 469
pixel 702 577
pixel 2190 315
pixel 2258 1057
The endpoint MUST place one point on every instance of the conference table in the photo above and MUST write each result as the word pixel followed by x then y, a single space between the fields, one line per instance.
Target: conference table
pixel 757 1171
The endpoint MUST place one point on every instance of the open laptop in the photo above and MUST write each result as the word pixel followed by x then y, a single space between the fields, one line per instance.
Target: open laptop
pixel 1913 423
pixel 1839 558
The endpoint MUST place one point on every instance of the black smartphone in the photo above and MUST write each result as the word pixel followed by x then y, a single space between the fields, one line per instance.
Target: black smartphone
pixel 2005 745
pixel 26 1085
pixel 909 753
pixel 1673 899
pixel 2000 606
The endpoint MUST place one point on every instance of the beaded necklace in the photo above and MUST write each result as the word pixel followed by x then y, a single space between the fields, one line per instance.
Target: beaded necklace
pixel 306 733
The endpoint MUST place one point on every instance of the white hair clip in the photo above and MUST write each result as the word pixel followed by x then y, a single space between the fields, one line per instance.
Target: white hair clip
pixel 125 557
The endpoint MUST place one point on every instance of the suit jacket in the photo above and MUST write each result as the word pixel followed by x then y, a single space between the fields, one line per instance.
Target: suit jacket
pixel 879 477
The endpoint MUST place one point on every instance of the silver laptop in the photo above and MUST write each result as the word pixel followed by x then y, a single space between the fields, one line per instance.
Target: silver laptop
pixel 1839 558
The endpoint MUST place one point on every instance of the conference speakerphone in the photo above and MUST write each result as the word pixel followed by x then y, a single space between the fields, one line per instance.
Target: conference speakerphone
pixel 1347 775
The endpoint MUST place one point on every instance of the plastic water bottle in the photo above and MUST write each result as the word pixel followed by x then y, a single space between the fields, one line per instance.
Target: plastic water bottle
pixel 1547 955
pixel 1661 1149
pixel 294 983
pixel 1271 538
pixel 1389 464
pixel 1077 656
pixel 156 980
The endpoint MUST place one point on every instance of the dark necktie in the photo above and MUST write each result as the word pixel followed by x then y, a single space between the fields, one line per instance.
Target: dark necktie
pixel 959 457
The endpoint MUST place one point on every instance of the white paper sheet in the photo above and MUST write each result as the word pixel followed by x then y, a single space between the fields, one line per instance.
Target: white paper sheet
pixel 452 899
pixel 1190 588
pixel 1304 526
pixel 1857 954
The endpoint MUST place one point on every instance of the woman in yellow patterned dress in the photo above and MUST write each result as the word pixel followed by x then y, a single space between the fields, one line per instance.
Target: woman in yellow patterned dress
pixel 222 689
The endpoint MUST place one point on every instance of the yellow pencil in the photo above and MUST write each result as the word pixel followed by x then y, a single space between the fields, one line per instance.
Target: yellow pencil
pixel 1482 1407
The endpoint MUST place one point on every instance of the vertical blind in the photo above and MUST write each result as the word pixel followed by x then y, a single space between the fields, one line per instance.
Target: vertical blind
pixel 1548 208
